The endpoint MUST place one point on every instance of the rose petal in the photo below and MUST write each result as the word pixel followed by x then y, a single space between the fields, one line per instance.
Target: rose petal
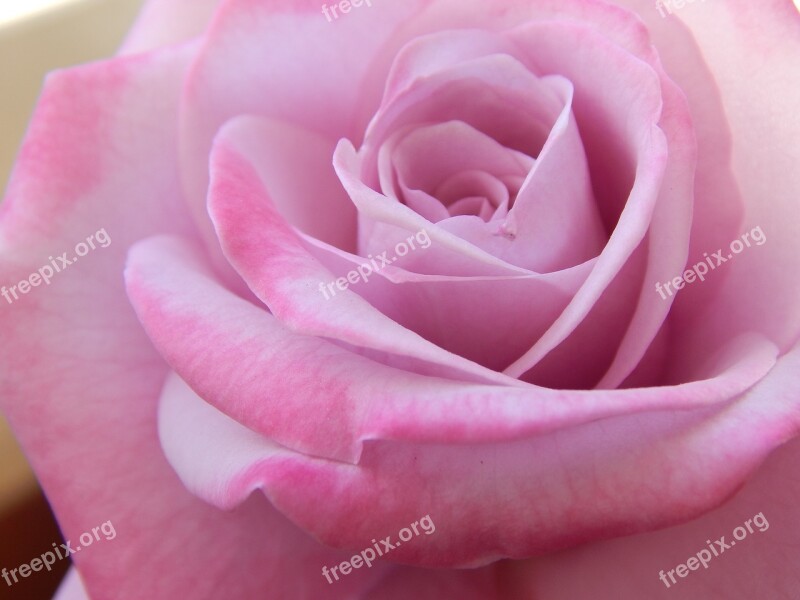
pixel 758 84
pixel 295 165
pixel 762 565
pixel 80 380
pixel 544 222
pixel 606 115
pixel 425 159
pixel 238 199
pixel 241 360
pixel 245 34
pixel 437 306
pixel 507 506
pixel 270 258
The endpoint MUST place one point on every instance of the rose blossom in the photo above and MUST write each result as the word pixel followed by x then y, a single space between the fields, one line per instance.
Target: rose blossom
pixel 518 380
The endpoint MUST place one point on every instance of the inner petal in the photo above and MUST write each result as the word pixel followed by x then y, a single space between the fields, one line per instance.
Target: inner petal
pixel 478 115
pixel 461 185
pixel 423 171
pixel 495 95
pixel 474 205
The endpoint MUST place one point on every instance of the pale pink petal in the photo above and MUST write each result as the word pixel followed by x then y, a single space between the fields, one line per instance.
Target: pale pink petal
pixel 295 166
pixel 80 380
pixel 246 33
pixel 529 107
pixel 268 254
pixel 215 458
pixel 667 241
pixel 425 56
pixel 495 94
pixel 548 217
pixel 392 221
pixel 758 82
pixel 244 362
pixel 505 499
pixel 555 214
pixel 626 236
pixel 435 584
pixel 437 306
pixel 425 158
pixel 492 190
pixel 239 204
pixel 762 565
pixel 604 117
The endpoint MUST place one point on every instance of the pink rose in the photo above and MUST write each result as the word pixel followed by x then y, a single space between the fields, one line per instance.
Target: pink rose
pixel 415 284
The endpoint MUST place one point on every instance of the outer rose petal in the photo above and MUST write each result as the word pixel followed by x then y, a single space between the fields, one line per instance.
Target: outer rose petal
pixel 762 565
pixel 80 380
pixel 196 461
pixel 759 86
pixel 582 501
pixel 245 362
pixel 534 495
pixel 437 584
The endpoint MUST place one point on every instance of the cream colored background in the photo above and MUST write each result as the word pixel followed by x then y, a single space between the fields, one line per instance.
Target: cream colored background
pixel 67 34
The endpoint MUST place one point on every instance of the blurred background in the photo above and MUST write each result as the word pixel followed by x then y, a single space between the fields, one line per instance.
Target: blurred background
pixel 36 37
